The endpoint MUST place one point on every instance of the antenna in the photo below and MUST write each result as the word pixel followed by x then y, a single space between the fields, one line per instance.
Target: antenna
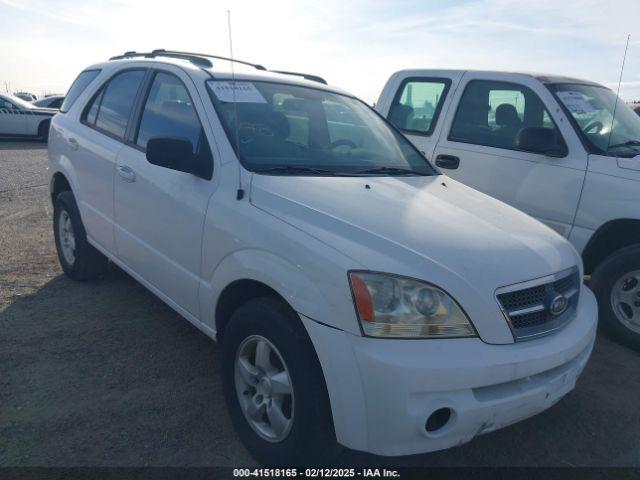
pixel 615 106
pixel 240 193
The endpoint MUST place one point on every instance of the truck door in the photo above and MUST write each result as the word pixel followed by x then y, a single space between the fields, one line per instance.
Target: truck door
pixel 502 138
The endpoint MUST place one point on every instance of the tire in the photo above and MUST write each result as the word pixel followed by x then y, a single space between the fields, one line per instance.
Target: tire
pixel 43 130
pixel 85 263
pixel 617 272
pixel 310 439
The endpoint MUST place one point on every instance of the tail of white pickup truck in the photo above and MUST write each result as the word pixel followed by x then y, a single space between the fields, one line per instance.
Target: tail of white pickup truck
pixel 549 146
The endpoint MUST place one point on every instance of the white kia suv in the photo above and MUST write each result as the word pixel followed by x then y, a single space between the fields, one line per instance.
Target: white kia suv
pixel 361 297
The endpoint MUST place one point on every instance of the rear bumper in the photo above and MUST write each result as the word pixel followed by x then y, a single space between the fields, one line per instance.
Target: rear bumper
pixel 383 391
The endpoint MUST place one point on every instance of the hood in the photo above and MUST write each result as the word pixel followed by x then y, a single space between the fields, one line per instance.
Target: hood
pixel 430 228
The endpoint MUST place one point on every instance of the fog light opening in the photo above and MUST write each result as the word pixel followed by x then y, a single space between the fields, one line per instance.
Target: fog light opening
pixel 438 420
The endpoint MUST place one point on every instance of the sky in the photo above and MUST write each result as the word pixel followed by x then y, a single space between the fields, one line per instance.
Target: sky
pixel 354 44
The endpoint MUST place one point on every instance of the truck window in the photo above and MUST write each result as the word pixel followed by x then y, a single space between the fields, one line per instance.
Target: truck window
pixel 493 113
pixel 417 104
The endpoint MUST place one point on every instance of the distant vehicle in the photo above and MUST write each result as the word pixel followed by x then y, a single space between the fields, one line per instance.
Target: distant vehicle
pixel 20 118
pixel 635 107
pixel 26 96
pixel 52 101
pixel 545 145
pixel 359 294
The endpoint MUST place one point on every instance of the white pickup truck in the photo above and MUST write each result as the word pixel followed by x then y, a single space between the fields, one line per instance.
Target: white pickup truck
pixel 560 149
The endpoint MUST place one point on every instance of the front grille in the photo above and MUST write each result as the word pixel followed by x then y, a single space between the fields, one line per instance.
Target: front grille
pixel 528 306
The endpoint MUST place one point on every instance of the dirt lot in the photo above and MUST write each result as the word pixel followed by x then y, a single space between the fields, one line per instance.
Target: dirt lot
pixel 105 374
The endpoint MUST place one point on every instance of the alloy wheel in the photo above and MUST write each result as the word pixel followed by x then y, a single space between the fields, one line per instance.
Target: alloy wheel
pixel 264 388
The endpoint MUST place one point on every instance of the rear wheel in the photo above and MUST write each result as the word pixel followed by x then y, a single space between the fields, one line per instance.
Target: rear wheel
pixel 616 283
pixel 274 386
pixel 78 258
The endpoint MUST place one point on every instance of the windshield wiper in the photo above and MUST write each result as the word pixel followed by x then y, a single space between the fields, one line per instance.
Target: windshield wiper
pixel 628 143
pixel 294 169
pixel 391 171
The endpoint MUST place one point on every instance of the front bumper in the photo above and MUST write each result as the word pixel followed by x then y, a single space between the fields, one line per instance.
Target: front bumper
pixel 382 391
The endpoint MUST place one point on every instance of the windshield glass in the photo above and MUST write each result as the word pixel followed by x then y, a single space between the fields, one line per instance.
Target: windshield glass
pixel 291 130
pixel 592 109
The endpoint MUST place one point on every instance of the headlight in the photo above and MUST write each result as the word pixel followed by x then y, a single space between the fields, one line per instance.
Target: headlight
pixel 392 306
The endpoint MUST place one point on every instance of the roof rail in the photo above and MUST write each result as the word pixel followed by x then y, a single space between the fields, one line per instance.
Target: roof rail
pixel 195 59
pixel 200 59
pixel 306 76
pixel 162 52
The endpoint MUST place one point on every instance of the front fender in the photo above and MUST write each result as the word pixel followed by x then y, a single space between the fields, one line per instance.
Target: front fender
pixel 289 280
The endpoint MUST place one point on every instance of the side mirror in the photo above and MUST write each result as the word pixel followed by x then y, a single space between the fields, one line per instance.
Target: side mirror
pixel 540 140
pixel 175 153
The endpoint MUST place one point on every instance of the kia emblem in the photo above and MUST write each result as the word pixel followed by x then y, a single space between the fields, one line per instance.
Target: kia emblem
pixel 559 305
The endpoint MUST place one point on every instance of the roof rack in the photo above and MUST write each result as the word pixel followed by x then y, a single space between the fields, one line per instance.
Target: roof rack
pixel 201 59
pixel 196 58
pixel 307 76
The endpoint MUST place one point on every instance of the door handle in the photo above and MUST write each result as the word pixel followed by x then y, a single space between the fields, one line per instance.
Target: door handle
pixel 73 143
pixel 127 174
pixel 450 162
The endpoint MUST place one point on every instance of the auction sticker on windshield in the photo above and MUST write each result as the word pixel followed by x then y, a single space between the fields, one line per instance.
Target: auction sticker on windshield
pixel 241 92
pixel 576 102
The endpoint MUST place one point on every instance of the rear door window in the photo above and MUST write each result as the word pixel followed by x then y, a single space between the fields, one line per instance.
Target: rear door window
pixel 111 107
pixel 418 103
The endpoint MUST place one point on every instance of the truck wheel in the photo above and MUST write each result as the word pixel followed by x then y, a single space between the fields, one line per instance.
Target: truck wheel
pixel 274 386
pixel 616 283
pixel 78 258
pixel 43 130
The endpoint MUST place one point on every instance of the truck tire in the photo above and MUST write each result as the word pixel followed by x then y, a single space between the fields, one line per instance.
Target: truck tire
pixel 79 259
pixel 616 283
pixel 274 386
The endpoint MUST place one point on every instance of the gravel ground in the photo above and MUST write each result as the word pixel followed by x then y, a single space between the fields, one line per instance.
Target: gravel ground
pixel 104 374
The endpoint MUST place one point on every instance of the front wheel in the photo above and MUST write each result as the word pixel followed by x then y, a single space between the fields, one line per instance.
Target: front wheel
pixel 274 386
pixel 616 283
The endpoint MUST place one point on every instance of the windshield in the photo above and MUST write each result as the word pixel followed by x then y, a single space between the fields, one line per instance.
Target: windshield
pixel 592 109
pixel 290 130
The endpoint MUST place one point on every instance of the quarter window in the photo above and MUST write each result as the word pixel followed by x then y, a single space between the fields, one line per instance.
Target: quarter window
pixel 494 113
pixel 418 104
